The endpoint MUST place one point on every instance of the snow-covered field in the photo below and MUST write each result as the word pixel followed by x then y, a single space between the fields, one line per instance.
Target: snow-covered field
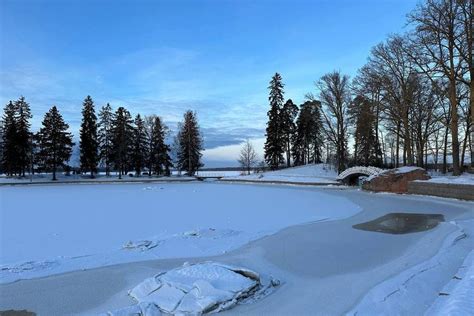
pixel 317 173
pixel 58 228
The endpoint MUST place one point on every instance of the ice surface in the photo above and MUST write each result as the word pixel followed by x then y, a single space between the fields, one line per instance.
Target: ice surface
pixel 73 227
pixel 199 288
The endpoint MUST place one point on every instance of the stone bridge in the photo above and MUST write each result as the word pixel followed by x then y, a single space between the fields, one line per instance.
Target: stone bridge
pixel 350 176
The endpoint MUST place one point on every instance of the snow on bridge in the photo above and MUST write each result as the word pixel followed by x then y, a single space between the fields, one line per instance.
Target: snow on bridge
pixel 357 171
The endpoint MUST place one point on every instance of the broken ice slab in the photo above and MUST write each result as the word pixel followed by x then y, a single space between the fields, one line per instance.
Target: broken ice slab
pixel 199 288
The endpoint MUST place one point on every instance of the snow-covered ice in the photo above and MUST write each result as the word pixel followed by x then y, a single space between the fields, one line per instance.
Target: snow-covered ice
pixel 62 228
pixel 196 289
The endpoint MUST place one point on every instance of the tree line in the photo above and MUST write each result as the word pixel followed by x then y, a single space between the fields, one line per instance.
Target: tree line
pixel 110 139
pixel 413 100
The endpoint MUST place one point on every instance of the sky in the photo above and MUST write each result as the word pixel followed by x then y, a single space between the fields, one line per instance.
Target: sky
pixel 164 57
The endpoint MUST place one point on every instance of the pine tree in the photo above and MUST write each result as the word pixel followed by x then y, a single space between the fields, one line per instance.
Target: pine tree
pixel 89 155
pixel 55 142
pixel 105 136
pixel 139 146
pixel 159 150
pixel 367 149
pixel 23 137
pixel 122 135
pixel 190 144
pixel 287 118
pixel 274 145
pixel 307 139
pixel 9 137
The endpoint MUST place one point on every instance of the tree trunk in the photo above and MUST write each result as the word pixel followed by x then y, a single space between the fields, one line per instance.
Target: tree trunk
pixel 445 151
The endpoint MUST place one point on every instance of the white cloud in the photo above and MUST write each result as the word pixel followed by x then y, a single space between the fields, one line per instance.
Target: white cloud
pixel 230 153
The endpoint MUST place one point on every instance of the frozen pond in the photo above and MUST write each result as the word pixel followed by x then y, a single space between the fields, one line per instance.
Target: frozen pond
pixel 87 223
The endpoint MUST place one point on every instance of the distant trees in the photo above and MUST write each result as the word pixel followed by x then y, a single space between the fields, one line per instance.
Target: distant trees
pixel 275 141
pixel 248 158
pixel 55 142
pixel 89 154
pixel 112 139
pixel 190 144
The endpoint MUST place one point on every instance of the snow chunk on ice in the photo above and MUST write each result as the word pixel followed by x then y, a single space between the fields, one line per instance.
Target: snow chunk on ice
pixel 199 288
pixel 141 245
pixel 142 309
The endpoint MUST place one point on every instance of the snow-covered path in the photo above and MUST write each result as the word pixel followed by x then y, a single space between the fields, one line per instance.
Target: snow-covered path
pixel 325 267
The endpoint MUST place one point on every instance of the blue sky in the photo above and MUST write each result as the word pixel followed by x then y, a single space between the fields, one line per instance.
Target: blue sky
pixel 163 57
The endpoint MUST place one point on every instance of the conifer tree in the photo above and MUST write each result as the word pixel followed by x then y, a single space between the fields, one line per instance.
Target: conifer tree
pixel 288 127
pixel 307 139
pixel 367 149
pixel 159 150
pixel 105 137
pixel 274 145
pixel 139 146
pixel 122 135
pixel 9 136
pixel 55 142
pixel 190 144
pixel 89 155
pixel 23 137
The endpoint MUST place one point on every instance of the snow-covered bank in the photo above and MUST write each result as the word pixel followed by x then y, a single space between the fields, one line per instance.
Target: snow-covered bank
pixel 465 178
pixel 457 297
pixel 421 284
pixel 67 228
pixel 317 173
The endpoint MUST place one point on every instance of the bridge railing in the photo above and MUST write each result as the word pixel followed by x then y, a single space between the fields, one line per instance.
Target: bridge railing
pixel 369 171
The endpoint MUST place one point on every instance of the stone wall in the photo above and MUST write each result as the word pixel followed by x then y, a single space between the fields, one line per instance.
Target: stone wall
pixel 394 180
pixel 449 190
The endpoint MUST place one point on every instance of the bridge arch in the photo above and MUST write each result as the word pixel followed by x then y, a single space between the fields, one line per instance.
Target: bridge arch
pixel 351 175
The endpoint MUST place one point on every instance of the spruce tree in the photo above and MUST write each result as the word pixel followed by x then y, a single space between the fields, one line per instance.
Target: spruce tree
pixel 190 144
pixel 105 137
pixel 288 127
pixel 367 149
pixel 159 151
pixel 9 137
pixel 307 139
pixel 274 145
pixel 122 135
pixel 23 137
pixel 55 142
pixel 89 155
pixel 139 146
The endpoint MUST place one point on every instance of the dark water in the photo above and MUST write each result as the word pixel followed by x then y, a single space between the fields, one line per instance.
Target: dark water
pixel 401 223
pixel 12 312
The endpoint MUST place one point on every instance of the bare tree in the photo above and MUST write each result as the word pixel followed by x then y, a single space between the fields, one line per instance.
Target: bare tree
pixel 248 157
pixel 335 96
pixel 438 41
